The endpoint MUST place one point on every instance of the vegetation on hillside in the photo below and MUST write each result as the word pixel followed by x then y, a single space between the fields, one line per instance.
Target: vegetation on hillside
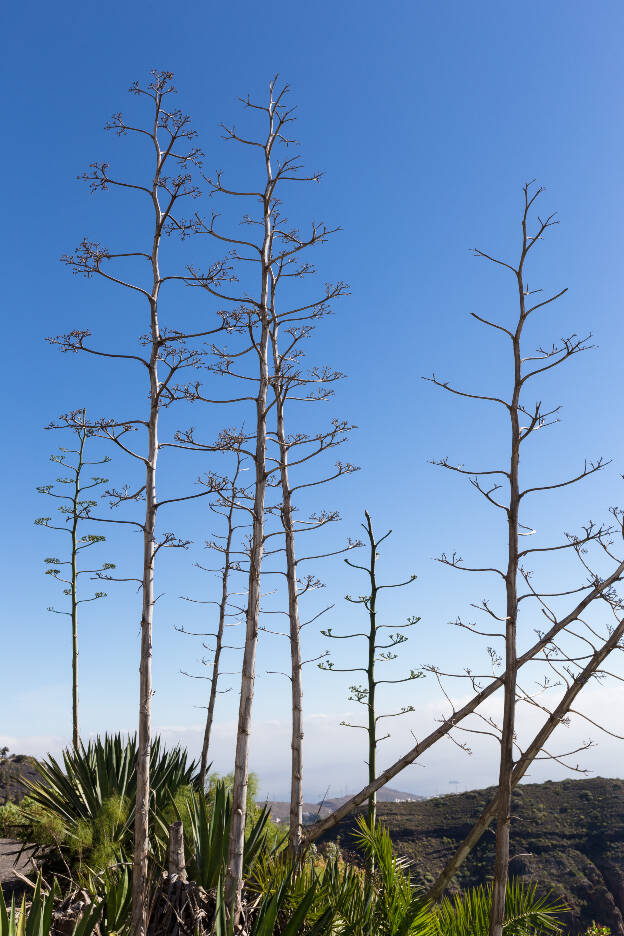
pixel 80 818
pixel 567 837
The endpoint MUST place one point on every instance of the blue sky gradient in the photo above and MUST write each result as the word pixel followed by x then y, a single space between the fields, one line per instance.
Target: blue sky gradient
pixel 427 119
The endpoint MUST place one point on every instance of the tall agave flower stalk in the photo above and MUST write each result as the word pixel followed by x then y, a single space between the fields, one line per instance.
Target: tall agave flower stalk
pixel 161 353
pixel 74 507
pixel 271 256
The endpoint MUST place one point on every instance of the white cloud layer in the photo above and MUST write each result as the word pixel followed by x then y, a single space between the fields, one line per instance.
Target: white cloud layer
pixel 334 755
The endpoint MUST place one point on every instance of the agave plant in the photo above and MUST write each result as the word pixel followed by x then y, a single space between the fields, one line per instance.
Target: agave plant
pixel 111 890
pixel 84 805
pixel 324 887
pixel 208 828
pixel 277 913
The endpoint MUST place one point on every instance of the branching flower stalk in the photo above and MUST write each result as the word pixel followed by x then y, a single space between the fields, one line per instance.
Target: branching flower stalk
pixel 289 379
pixel 296 665
pixel 234 876
pixel 524 421
pixel 170 139
pixel 225 507
pixel 380 649
pixel 73 507
pixel 223 611
pixel 556 718
pixel 271 255
pixel 598 586
pixel 250 316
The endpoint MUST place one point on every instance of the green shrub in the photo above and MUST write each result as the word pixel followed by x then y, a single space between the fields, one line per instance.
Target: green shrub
pixel 81 810
pixel 10 819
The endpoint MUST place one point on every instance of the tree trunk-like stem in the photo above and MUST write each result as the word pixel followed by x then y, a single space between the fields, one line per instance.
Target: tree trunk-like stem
pixel 234 874
pixel 370 673
pixel 74 589
pixel 167 350
pixel 214 680
pixel 296 742
pixel 176 861
pixel 503 824
pixel 296 783
pixel 141 823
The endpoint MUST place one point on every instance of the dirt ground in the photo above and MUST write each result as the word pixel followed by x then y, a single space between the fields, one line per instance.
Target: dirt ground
pixel 9 863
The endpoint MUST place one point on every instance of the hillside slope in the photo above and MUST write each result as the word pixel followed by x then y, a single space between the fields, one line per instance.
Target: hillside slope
pixel 13 770
pixel 568 836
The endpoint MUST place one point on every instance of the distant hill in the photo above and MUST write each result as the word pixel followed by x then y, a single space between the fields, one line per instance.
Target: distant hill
pixel 280 809
pixel 13 770
pixel 385 795
pixel 567 836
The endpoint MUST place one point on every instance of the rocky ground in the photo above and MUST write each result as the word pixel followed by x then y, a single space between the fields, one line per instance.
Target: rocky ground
pixel 10 863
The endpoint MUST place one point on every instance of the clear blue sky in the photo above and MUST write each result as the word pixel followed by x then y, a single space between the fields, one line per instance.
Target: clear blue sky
pixel 427 119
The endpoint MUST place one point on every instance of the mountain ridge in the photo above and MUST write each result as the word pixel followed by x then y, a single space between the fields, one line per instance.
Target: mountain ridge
pixel 280 809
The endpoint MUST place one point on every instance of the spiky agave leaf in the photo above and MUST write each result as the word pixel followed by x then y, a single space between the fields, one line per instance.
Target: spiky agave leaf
pixel 35 919
pixel 80 793
pixel 220 926
pixel 207 838
pixel 208 828
pixel 280 911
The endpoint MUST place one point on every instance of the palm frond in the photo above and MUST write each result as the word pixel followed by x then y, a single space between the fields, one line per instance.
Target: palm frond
pixel 526 912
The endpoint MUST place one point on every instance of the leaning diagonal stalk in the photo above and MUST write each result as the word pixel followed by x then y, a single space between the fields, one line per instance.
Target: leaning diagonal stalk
pixel 601 587
pixel 554 720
